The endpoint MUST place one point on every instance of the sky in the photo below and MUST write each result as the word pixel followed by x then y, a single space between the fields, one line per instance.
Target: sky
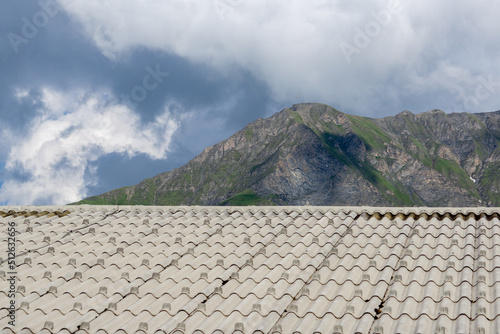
pixel 101 94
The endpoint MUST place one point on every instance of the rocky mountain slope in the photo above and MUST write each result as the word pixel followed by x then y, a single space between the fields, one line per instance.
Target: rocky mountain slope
pixel 312 154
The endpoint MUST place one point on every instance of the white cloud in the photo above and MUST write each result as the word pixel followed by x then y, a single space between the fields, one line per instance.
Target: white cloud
pixel 294 45
pixel 51 158
pixel 21 94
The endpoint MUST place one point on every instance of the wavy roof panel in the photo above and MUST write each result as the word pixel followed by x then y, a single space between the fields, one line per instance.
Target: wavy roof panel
pixel 205 270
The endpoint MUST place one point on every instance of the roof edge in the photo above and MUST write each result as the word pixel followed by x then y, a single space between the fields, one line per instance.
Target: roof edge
pixel 345 209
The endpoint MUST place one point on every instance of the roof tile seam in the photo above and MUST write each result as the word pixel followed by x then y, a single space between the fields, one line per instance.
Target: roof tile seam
pixel 213 293
pixel 299 292
pixel 474 279
pixel 391 280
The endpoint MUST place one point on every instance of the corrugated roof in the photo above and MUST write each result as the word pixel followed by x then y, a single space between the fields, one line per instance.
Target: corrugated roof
pixel 89 269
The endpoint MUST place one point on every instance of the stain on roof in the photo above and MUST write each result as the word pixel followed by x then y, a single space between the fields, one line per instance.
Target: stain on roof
pixel 91 269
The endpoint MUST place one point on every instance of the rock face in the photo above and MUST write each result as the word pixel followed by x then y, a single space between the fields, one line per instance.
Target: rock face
pixel 312 154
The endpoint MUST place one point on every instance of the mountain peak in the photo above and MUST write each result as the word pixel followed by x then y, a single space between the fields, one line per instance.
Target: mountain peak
pixel 405 113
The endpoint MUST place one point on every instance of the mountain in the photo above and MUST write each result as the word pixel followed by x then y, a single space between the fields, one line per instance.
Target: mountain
pixel 313 154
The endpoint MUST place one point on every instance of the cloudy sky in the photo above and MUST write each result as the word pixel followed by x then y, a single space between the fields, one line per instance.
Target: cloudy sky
pixel 100 94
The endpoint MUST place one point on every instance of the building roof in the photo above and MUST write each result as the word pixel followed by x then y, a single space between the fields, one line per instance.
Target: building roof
pixel 103 269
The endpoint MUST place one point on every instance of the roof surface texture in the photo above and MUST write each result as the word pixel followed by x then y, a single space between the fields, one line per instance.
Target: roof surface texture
pixel 91 269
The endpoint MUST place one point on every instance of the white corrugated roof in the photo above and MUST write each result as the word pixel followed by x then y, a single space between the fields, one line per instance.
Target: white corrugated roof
pixel 107 269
